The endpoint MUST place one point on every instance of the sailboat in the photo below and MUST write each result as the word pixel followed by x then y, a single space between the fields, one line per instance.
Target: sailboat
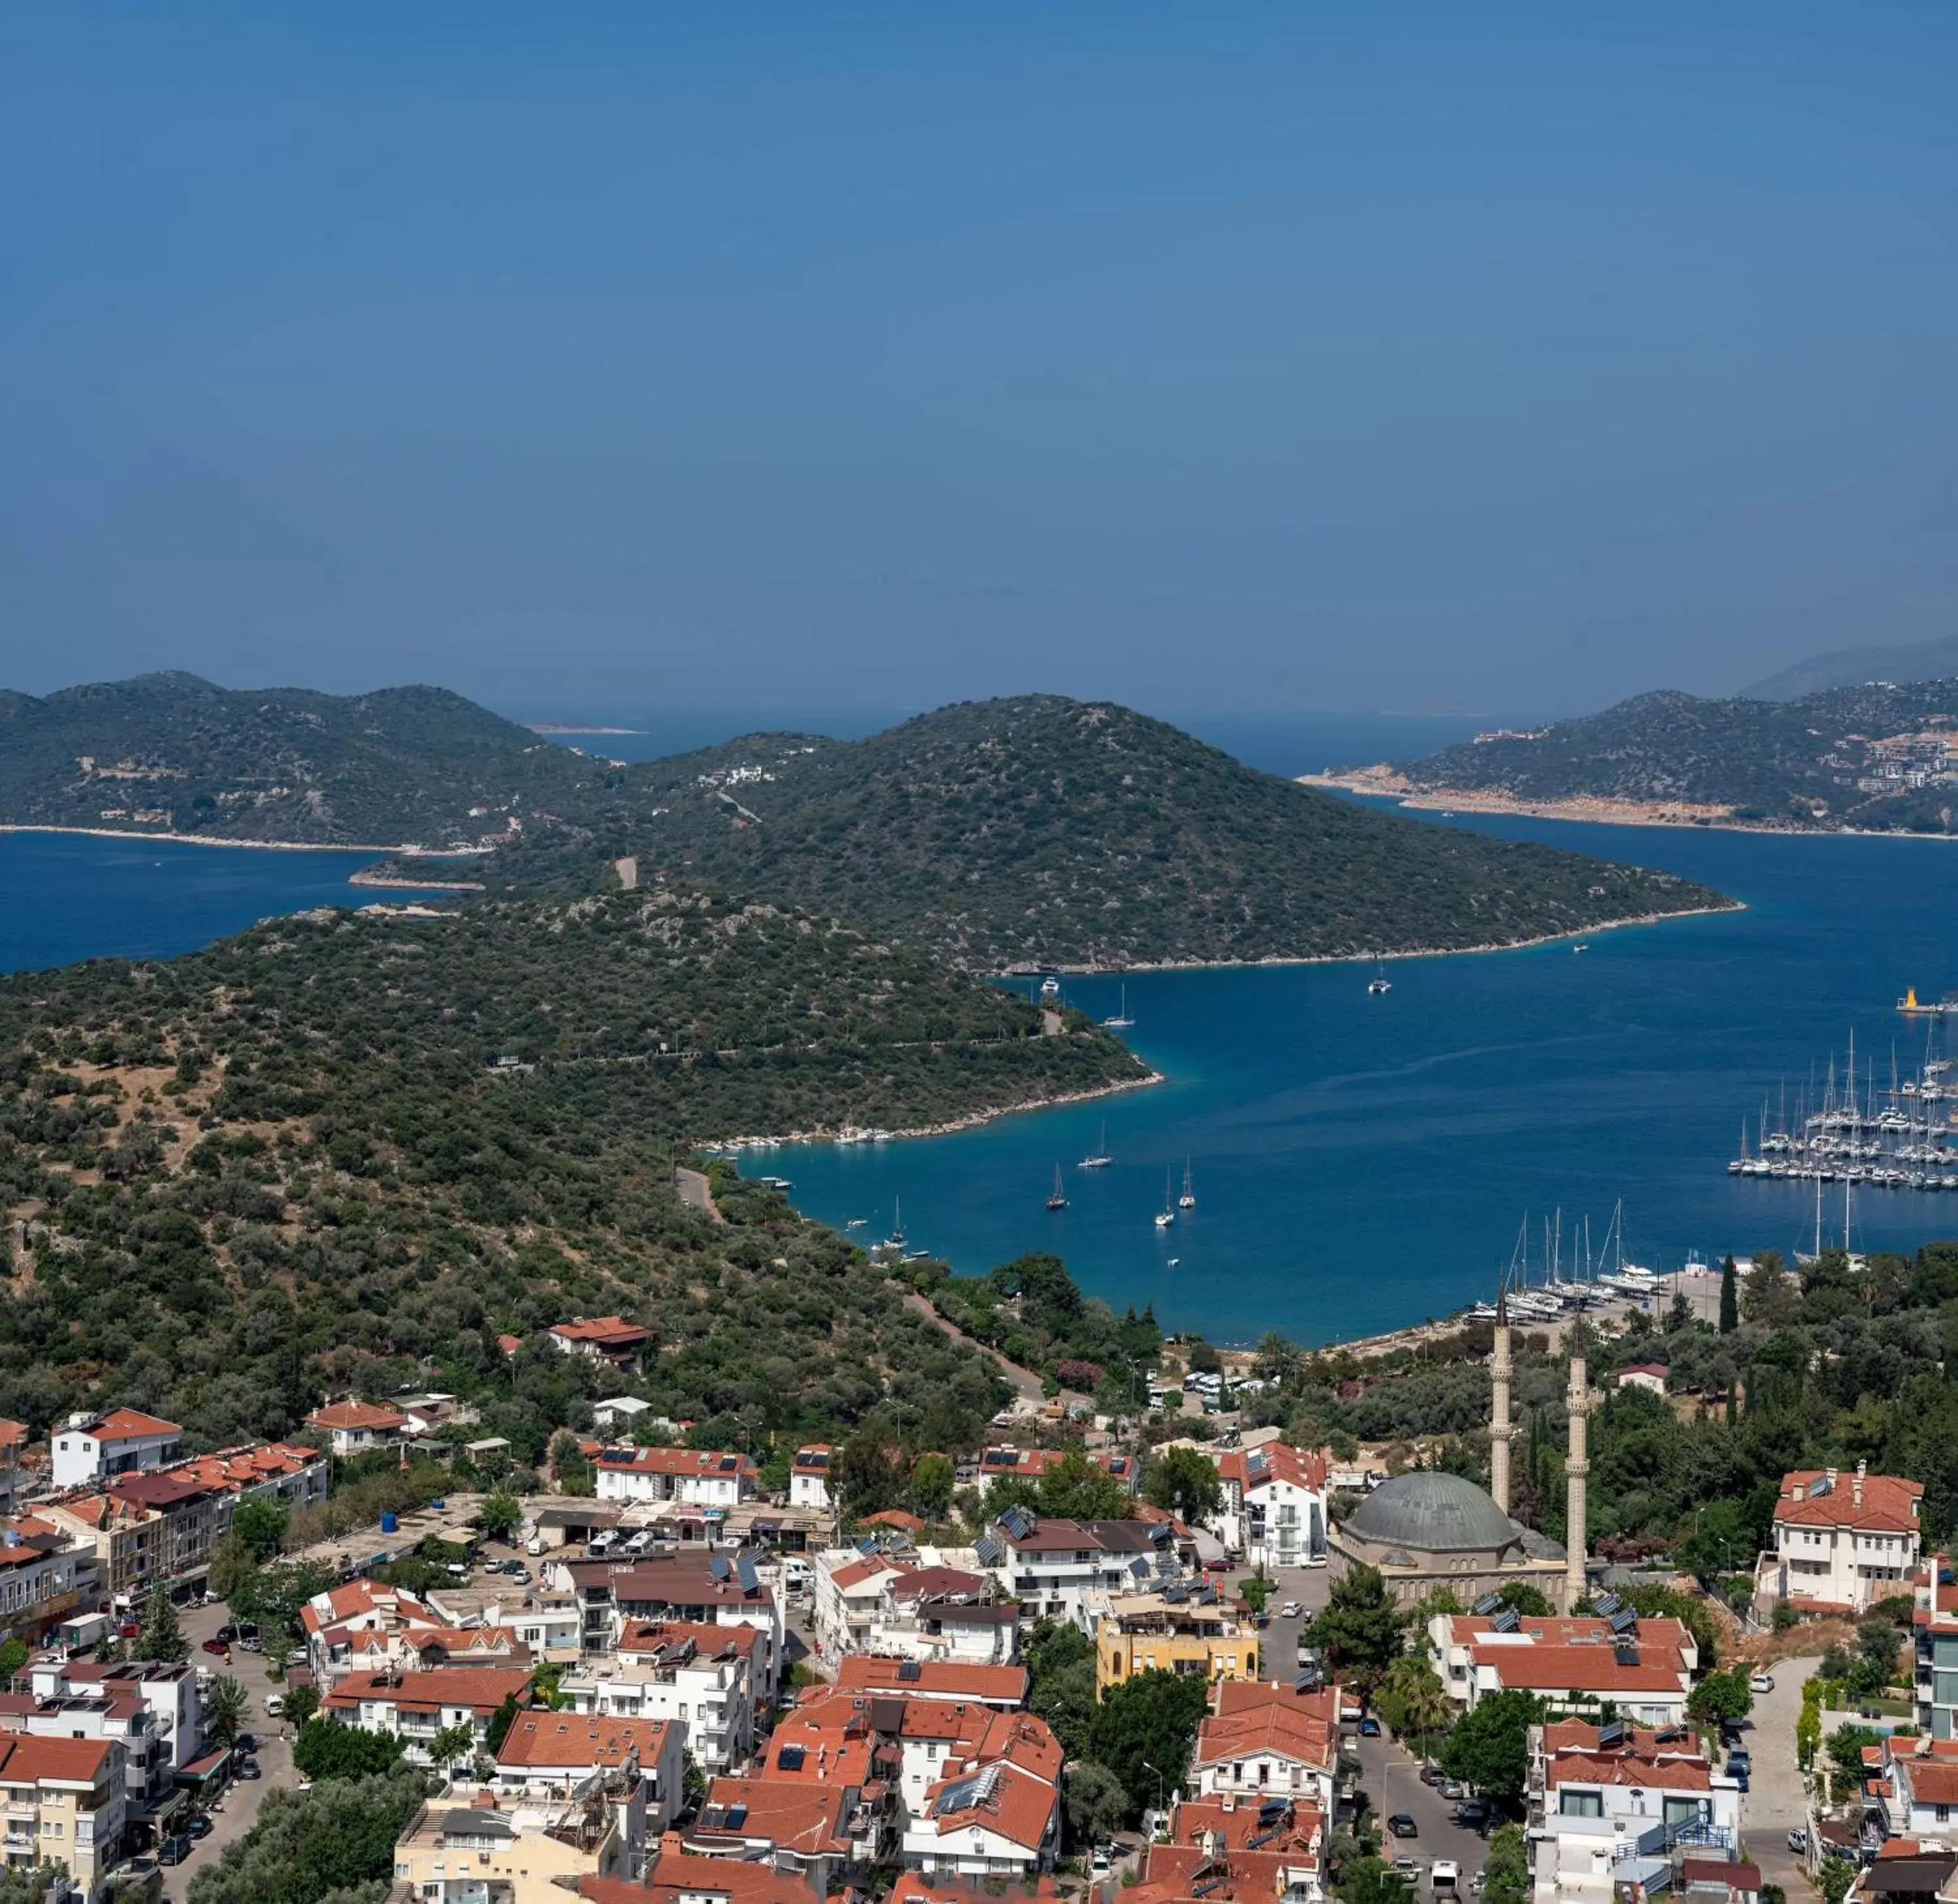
pixel 1167 1215
pixel 896 1239
pixel 1380 982
pixel 1100 1159
pixel 1121 1021
pixel 1188 1199
pixel 1058 1200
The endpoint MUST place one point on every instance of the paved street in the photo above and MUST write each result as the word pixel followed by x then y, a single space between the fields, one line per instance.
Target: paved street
pixel 233 1815
pixel 1775 1800
pixel 1392 1775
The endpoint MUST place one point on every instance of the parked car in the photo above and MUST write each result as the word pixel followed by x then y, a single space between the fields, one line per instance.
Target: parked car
pixel 1406 1866
pixel 245 1744
pixel 199 1827
pixel 227 1631
pixel 275 1705
pixel 1454 1789
pixel 1798 1840
pixel 1402 1825
pixel 218 1647
pixel 1476 1814
pixel 1313 1560
pixel 248 1769
pixel 1101 1865
pixel 1430 1775
pixel 1290 1611
pixel 173 1851
pixel 1370 1728
pixel 1760 1682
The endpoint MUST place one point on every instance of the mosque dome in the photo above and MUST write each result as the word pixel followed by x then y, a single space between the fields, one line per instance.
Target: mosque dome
pixel 1427 1512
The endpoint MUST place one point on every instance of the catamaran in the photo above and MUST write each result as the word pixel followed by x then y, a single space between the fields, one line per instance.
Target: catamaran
pixel 1380 982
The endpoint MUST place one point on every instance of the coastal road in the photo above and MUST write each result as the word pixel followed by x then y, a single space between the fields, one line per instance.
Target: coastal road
pixel 695 1191
pixel 1777 1800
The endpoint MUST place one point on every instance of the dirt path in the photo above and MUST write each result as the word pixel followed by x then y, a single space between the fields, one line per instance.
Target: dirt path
pixel 1024 1379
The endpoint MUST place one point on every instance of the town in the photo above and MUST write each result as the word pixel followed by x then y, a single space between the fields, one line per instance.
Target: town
pixel 1235 1669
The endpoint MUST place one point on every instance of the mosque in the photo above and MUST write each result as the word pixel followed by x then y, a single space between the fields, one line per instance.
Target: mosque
pixel 1427 1529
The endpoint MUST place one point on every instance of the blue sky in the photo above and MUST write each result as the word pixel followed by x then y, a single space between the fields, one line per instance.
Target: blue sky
pixel 1233 357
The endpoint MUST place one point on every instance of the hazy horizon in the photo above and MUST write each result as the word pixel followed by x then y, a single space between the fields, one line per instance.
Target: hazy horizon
pixel 1230 362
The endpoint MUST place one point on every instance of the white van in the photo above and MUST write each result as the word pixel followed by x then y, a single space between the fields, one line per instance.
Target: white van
pixel 1445 1876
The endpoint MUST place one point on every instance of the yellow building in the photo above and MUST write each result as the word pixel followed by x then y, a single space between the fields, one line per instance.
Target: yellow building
pixel 1185 1630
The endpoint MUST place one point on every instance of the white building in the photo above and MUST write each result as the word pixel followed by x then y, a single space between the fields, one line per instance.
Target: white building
pixel 1841 1542
pixel 995 1814
pixel 618 1411
pixel 545 1751
pixel 1273 1511
pixel 703 1678
pixel 1059 1569
pixel 93 1447
pixel 809 1477
pixel 1610 1806
pixel 353 1428
pixel 1644 1666
pixel 46 1574
pixel 1267 1740
pixel 420 1705
pixel 698 1477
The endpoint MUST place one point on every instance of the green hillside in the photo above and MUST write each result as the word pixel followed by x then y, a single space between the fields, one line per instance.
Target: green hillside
pixel 1806 763
pixel 1045 831
pixel 405 765
pixel 285 1164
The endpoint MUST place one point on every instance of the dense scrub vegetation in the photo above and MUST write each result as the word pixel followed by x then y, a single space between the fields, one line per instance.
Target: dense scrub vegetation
pixel 285 1164
pixel 1795 762
pixel 417 764
pixel 1823 1367
pixel 1043 830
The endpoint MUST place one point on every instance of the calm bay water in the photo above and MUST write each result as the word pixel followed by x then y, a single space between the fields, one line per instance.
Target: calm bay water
pixel 1359 1162
pixel 1362 1163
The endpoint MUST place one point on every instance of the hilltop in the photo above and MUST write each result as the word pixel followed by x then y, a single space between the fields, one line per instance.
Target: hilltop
pixel 1043 830
pixel 1869 756
pixel 171 753
pixel 1907 661
pixel 290 1163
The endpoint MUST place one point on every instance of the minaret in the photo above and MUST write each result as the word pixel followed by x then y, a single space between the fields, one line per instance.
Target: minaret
pixel 1501 1432
pixel 1579 1402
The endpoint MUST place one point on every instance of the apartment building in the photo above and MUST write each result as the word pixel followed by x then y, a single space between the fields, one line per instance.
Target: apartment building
pixel 543 1751
pixel 809 1477
pixel 419 1705
pixel 147 1529
pixel 1235 1848
pixel 867 1675
pixel 72 1690
pixel 714 1591
pixel 471 1846
pixel 63 1799
pixel 996 1813
pixel 15 1476
pixel 1935 1628
pixel 1265 1742
pixel 1841 1542
pixel 92 1447
pixel 702 1678
pixel 1059 1568
pixel 1644 1667
pixel 1919 1791
pixel 46 1572
pixel 1273 1509
pixel 1178 1629
pixel 1617 1806
pixel 695 1477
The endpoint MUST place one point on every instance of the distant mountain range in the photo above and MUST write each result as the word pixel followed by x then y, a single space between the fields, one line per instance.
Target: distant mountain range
pixel 1035 831
pixel 1875 756
pixel 1906 662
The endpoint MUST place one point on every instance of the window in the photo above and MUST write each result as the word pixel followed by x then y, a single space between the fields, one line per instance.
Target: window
pixel 1944 1812
pixel 1581 1804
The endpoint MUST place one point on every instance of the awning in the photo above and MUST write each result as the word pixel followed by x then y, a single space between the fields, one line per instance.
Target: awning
pixel 200 1771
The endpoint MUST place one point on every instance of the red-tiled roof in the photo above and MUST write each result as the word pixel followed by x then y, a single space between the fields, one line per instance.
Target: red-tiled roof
pixel 356 1415
pixel 1716 1870
pixel 653 1636
pixel 804 1818
pixel 895 1517
pixel 1251 1716
pixel 1252 1468
pixel 571 1741
pixel 606 1332
pixel 1888 1503
pixel 130 1424
pixel 26 1759
pixel 483 1688
pixel 1932 1781
pixel 933 1678
pixel 1017 1805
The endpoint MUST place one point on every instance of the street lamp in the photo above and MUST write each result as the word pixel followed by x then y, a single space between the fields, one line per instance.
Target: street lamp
pixel 1148 1767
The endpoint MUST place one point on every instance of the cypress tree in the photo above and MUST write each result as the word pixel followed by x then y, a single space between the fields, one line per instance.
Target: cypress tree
pixel 1730 1297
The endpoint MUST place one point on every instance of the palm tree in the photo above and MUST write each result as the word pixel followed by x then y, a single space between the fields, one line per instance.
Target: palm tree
pixel 225 1709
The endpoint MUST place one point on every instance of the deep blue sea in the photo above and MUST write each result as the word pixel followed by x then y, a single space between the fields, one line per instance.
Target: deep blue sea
pixel 64 897
pixel 1359 1163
